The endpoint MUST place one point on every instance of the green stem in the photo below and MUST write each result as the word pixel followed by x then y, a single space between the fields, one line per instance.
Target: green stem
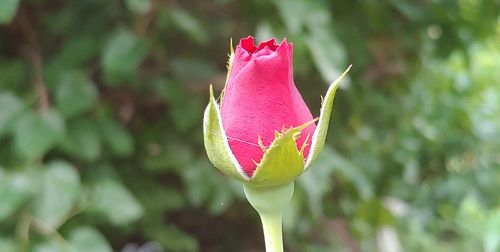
pixel 270 202
pixel 271 224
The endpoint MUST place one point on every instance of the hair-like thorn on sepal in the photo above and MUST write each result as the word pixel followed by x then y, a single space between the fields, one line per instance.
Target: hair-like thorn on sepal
pixel 306 124
pixel 231 53
pixel 256 164
pixel 304 144
pixel 221 96
pixel 261 144
pixel 277 134
pixel 297 129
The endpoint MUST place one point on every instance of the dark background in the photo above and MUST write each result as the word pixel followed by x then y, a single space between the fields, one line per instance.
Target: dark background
pixel 100 125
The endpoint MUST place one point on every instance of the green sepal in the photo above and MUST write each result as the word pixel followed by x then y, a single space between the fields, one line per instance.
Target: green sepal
pixel 319 136
pixel 282 162
pixel 216 143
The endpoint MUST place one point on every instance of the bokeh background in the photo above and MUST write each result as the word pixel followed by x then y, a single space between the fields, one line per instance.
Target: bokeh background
pixel 100 125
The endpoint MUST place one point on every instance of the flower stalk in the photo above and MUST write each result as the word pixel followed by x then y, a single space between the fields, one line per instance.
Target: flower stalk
pixel 270 203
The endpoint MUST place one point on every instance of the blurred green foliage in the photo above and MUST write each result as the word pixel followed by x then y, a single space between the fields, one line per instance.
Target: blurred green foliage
pixel 100 125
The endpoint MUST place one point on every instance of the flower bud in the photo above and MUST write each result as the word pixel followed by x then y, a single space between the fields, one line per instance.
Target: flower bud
pixel 263 132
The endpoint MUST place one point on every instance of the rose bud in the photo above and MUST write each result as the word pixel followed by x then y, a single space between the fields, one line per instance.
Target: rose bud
pixel 263 133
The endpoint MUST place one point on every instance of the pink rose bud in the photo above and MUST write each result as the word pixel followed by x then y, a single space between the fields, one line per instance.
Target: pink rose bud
pixel 261 98
pixel 262 133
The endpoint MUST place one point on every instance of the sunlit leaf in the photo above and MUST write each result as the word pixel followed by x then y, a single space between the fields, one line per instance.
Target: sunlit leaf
pixel 113 200
pixel 59 191
pixel 85 239
pixel 15 189
pixel 7 244
pixel 8 10
pixel 35 133
pixel 190 24
pixel 139 6
pixel 122 55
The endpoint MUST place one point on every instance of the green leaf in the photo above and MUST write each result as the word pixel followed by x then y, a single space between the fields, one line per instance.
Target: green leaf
pixel 171 238
pixel 198 184
pixel 85 239
pixel 122 55
pixel 10 106
pixel 35 134
pixel 374 212
pixel 183 107
pixel 113 200
pixel 206 188
pixel 118 138
pixel 291 13
pixel 317 182
pixel 8 9
pixel 51 247
pixel 183 68
pixel 83 140
pixel 139 7
pixel 15 190
pixel 189 24
pixel 81 239
pixel 77 51
pixel 319 136
pixel 216 144
pixel 492 232
pixel 353 173
pixel 75 94
pixel 60 188
pixel 327 53
pixel 6 244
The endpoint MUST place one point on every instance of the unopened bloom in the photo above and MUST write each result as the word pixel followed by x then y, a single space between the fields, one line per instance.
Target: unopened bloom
pixel 263 133
pixel 261 98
